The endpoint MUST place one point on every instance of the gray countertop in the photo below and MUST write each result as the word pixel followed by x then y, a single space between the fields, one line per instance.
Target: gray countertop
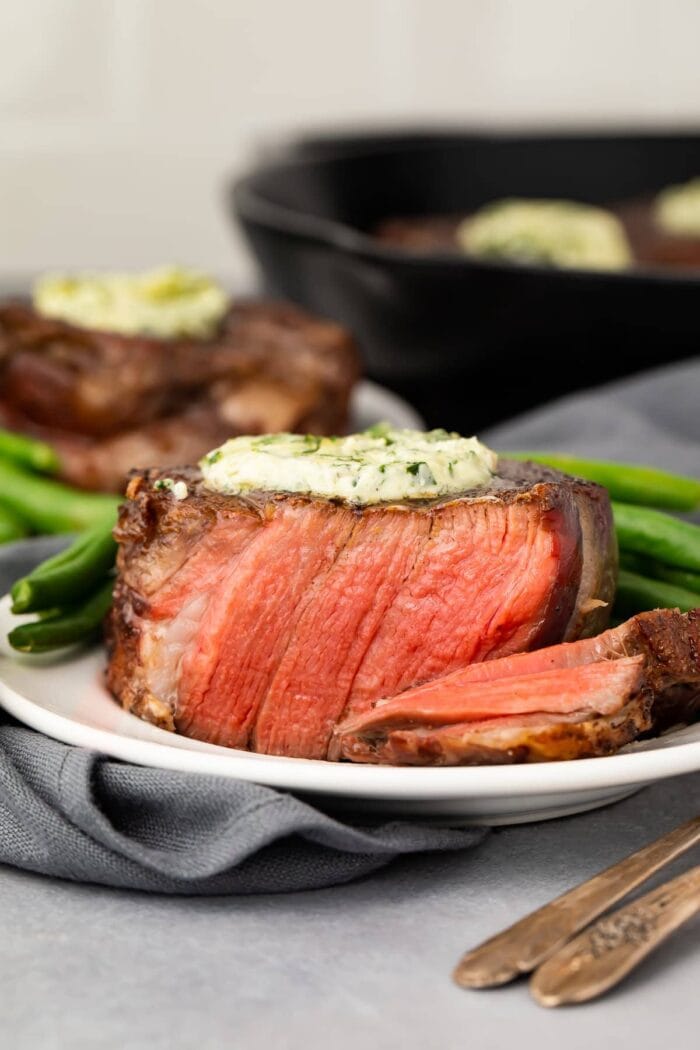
pixel 363 965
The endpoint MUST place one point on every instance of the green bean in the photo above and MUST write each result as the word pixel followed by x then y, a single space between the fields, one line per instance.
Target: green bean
pixel 69 576
pixel 80 624
pixel 626 482
pixel 636 563
pixel 656 570
pixel 658 536
pixel 27 452
pixel 636 593
pixel 48 506
pixel 678 577
pixel 11 527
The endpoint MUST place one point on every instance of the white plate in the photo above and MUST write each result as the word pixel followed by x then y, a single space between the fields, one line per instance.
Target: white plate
pixel 65 698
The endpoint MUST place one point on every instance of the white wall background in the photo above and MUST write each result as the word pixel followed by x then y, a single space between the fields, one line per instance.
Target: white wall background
pixel 119 118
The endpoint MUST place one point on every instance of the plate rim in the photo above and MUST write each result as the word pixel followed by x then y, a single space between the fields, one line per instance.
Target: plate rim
pixel 349 780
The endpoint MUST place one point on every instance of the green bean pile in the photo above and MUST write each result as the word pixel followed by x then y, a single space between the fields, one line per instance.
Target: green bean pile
pixel 33 502
pixel 659 553
pixel 72 591
pixel 626 482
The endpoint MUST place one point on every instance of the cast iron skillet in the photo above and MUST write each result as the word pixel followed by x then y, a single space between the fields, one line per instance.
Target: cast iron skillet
pixel 470 342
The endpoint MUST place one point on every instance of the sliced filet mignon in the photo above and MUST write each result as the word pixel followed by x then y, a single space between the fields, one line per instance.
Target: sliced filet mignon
pixel 596 695
pixel 505 741
pixel 110 402
pixel 263 622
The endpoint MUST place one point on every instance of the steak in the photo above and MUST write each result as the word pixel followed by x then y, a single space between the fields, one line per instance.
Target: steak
pixel 652 244
pixel 109 402
pixel 424 234
pixel 566 701
pixel 264 621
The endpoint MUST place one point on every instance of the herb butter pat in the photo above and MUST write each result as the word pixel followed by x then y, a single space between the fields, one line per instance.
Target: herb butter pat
pixel 548 232
pixel 376 466
pixel 677 209
pixel 167 303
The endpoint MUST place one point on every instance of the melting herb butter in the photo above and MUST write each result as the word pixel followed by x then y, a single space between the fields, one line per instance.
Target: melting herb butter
pixel 378 465
pixel 677 209
pixel 167 303
pixel 550 232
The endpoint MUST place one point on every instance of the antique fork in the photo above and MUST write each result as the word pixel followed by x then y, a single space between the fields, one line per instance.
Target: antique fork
pixel 607 951
pixel 527 944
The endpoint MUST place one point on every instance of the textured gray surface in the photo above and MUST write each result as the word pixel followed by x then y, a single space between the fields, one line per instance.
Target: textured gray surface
pixel 367 964
pixel 362 965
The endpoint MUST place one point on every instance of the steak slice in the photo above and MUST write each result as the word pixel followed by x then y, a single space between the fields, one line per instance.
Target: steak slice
pixel 635 668
pixel 505 741
pixel 109 402
pixel 263 622
pixel 555 691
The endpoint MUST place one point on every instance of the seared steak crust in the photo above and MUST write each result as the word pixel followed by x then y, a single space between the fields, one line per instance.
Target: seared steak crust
pixel 109 402
pixel 500 741
pixel 262 622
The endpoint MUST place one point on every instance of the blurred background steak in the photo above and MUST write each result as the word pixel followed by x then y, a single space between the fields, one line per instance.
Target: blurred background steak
pixel 262 622
pixel 109 402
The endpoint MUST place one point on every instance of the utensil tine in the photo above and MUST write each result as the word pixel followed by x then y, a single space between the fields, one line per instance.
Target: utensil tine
pixel 525 945
pixel 601 956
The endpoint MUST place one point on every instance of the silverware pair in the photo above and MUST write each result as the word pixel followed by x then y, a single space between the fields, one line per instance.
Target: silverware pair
pixel 575 970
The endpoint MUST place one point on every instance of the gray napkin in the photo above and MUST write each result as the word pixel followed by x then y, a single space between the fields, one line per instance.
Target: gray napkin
pixel 69 812
pixel 652 418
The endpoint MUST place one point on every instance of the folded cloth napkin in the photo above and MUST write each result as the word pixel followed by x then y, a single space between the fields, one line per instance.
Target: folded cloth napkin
pixel 70 812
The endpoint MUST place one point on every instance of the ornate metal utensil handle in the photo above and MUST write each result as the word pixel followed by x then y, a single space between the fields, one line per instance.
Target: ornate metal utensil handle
pixel 603 954
pixel 523 947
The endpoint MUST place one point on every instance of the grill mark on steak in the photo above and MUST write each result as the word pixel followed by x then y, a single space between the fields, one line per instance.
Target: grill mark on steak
pixel 207 600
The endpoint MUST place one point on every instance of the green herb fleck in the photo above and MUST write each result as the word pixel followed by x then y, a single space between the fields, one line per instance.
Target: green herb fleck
pixel 378 430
